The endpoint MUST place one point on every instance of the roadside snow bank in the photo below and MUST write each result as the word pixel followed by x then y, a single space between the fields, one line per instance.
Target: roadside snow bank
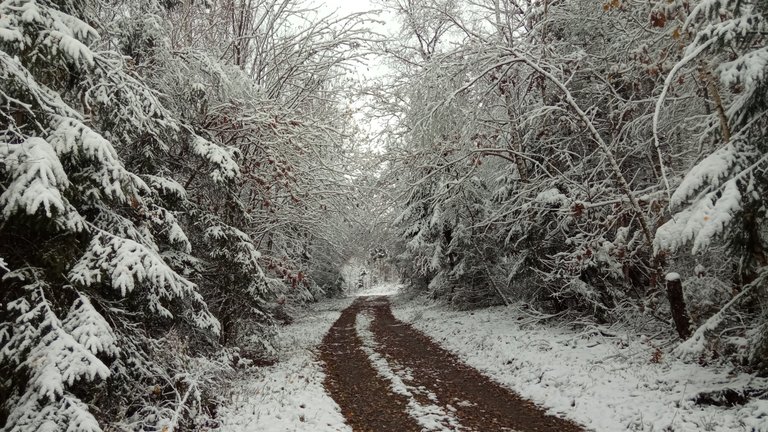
pixel 289 396
pixel 606 384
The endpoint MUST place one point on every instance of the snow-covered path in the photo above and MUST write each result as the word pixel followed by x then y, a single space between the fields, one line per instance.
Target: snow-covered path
pixel 386 376
pixel 289 396
pixel 606 383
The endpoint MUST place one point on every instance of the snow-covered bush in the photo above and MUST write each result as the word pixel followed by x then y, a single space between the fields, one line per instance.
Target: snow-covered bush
pixel 51 359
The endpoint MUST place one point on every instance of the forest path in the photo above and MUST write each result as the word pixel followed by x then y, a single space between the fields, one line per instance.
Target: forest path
pixel 387 376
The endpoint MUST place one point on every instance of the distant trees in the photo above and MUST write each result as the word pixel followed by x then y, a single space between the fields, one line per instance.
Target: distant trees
pixel 565 153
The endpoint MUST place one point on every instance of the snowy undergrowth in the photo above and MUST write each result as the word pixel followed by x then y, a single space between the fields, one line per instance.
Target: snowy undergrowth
pixel 289 396
pixel 430 416
pixel 606 384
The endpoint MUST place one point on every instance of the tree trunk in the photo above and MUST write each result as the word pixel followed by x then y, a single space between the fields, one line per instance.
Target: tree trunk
pixel 677 305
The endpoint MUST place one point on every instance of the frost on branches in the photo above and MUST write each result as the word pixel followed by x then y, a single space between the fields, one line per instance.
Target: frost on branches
pixel 566 157
pixel 724 183
pixel 160 196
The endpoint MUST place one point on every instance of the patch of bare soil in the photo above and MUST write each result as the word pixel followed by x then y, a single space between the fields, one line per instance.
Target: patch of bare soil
pixel 478 403
pixel 365 398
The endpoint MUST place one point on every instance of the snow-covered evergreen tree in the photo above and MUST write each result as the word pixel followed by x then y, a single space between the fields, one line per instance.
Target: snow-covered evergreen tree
pixel 88 288
pixel 723 194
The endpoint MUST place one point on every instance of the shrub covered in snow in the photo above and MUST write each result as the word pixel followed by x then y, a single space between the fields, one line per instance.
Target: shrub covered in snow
pixel 584 150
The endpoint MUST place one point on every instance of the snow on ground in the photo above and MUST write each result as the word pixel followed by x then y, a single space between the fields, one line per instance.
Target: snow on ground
pixel 430 416
pixel 289 396
pixel 606 384
pixel 386 288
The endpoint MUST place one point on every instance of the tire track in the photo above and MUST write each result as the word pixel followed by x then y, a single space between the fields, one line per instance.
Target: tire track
pixel 365 398
pixel 387 376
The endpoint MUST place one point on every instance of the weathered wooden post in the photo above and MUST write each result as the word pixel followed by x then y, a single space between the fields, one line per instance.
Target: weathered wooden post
pixel 677 305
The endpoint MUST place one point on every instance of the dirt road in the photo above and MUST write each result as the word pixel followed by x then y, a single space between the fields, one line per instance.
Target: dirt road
pixel 386 376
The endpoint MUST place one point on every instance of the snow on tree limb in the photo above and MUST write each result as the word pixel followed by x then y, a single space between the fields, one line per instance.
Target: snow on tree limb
pixel 166 186
pixel 692 348
pixel 225 167
pixel 90 329
pixel 126 265
pixel 701 222
pixel 55 360
pixel 660 102
pixel 707 174
pixel 38 179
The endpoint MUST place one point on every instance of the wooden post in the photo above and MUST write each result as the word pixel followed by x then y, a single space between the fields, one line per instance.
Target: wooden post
pixel 677 305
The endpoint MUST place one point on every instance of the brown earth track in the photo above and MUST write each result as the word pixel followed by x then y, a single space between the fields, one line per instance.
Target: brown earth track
pixel 477 402
pixel 364 397
pixel 492 407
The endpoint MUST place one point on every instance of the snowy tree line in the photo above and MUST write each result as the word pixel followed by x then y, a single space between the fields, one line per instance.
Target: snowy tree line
pixel 570 154
pixel 170 172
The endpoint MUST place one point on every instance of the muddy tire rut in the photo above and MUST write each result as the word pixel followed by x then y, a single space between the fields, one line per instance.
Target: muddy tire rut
pixel 365 398
pixel 433 375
